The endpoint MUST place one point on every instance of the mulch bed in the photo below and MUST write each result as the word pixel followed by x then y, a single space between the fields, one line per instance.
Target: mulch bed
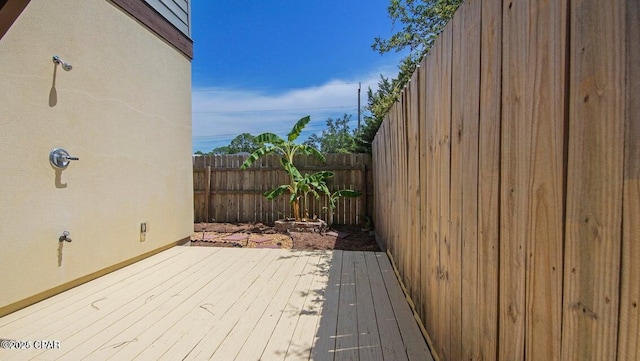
pixel 258 235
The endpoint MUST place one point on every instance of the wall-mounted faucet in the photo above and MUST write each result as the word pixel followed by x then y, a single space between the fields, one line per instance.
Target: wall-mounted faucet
pixel 65 66
pixel 60 158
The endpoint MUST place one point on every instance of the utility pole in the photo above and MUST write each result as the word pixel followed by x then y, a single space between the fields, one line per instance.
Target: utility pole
pixel 359 86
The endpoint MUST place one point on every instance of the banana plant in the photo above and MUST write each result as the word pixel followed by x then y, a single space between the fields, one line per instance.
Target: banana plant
pixel 314 184
pixel 333 200
pixel 300 186
pixel 287 149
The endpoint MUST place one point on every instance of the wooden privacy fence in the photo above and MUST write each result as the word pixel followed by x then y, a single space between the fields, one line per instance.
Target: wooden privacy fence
pixel 224 193
pixel 507 182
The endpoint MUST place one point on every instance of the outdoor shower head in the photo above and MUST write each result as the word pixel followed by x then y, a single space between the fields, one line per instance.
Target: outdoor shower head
pixel 65 66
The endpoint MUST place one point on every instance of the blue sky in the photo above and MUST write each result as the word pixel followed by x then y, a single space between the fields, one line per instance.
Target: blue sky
pixel 261 65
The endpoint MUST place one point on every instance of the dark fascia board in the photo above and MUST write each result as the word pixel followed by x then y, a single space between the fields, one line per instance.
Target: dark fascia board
pixel 9 12
pixel 148 16
pixel 140 10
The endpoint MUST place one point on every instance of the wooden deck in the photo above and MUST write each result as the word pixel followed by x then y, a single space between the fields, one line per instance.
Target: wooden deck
pixel 199 303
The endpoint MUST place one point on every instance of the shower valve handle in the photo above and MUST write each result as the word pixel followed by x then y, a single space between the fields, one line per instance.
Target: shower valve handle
pixel 60 158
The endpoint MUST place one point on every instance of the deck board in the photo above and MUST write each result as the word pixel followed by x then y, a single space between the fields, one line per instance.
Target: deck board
pixel 198 303
pixel 325 339
pixel 347 333
pixel 390 337
pixel 303 337
pixel 368 336
pixel 415 345
pixel 276 348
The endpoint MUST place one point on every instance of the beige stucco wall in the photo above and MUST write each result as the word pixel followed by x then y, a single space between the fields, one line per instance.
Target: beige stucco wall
pixel 124 110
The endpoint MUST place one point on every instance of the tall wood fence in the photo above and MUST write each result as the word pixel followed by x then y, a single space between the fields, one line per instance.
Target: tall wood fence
pixel 507 182
pixel 224 193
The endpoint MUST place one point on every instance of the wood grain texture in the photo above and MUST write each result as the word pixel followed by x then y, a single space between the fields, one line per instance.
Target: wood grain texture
pixel 544 106
pixel 443 173
pixel 423 219
pixel 433 122
pixel 513 196
pixel 413 196
pixel 456 188
pixel 629 332
pixel 402 213
pixel 595 179
pixel 549 156
pixel 387 234
pixel 454 246
pixel 468 85
pixel 489 178
pixel 430 209
pixel 395 189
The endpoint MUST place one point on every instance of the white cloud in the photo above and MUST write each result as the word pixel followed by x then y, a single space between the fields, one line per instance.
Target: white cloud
pixel 221 114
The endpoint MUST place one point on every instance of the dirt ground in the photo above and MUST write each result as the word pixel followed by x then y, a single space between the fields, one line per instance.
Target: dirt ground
pixel 258 235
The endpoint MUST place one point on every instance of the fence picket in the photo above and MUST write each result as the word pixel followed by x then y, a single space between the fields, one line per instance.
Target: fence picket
pixel 629 333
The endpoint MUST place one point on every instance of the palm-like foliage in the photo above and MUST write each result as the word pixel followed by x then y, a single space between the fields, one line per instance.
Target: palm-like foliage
pixel 333 199
pixel 287 149
pixel 299 185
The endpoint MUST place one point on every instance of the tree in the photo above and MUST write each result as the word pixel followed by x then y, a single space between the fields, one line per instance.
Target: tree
pixel 379 103
pixel 422 21
pixel 337 138
pixel 220 150
pixel 298 185
pixel 244 142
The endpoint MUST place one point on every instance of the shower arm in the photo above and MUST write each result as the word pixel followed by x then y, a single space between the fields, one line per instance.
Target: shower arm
pixel 65 66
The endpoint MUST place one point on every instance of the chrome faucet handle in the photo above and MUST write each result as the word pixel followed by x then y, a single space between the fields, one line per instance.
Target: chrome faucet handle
pixel 60 158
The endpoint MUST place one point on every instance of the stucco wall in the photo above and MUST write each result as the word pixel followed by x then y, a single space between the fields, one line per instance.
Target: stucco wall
pixel 124 110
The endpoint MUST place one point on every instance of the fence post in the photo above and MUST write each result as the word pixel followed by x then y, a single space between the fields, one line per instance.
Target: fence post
pixel 207 194
pixel 365 194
